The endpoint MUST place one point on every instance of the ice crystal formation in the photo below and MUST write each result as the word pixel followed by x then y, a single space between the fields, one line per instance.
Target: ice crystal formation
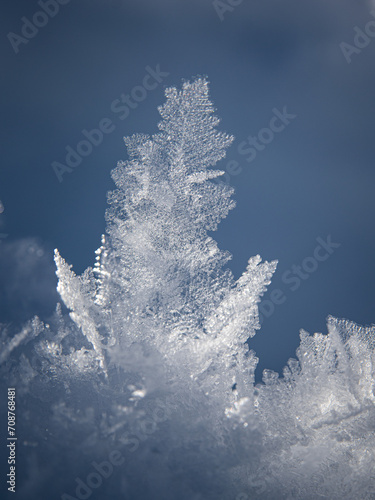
pixel 147 354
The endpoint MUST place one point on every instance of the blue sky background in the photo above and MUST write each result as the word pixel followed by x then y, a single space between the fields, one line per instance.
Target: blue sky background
pixel 316 178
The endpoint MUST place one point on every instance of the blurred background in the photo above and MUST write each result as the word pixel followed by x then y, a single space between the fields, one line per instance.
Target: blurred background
pixel 312 179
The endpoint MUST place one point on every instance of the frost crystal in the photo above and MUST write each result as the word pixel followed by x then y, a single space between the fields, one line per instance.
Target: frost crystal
pixel 148 354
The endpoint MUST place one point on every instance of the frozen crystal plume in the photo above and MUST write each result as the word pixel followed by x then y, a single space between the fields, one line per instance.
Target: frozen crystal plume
pixel 148 351
pixel 319 418
pixel 159 276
